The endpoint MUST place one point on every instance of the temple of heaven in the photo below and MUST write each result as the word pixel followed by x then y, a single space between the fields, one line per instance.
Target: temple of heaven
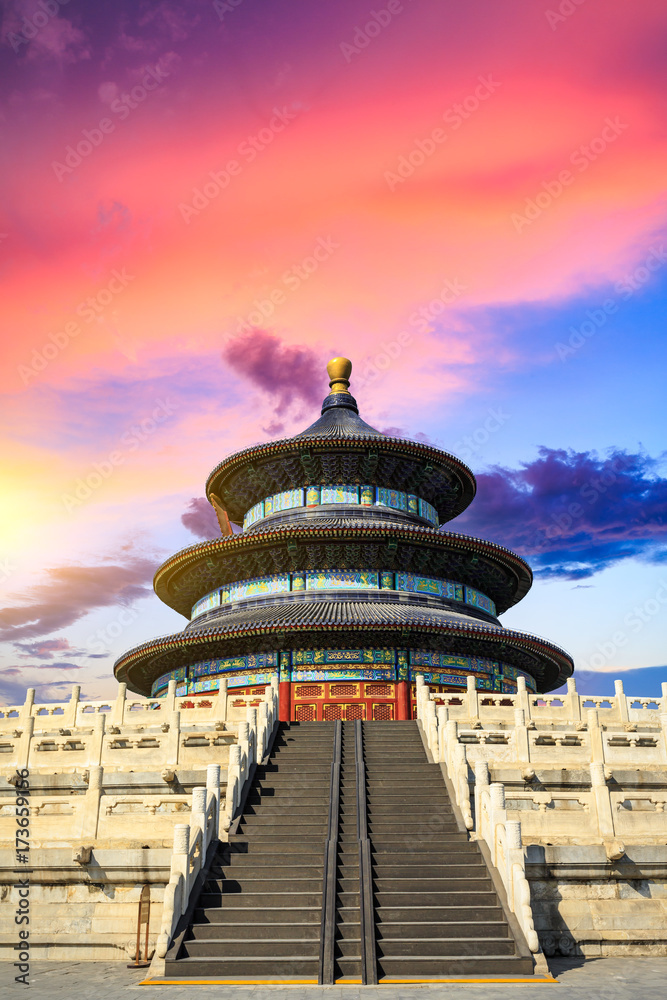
pixel 342 584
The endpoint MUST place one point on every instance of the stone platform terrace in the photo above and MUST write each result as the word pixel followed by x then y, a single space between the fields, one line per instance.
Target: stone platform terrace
pixel 575 979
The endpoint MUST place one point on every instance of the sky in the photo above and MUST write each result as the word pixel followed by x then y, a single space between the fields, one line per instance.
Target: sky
pixel 203 202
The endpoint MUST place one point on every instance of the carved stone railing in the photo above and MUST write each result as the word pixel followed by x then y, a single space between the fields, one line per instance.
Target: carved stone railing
pixel 191 842
pixel 503 838
pixel 564 709
pixel 207 821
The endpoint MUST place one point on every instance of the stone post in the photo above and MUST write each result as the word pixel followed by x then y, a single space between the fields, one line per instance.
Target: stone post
pixel 91 804
pixel 69 716
pixel 451 741
pixel 173 740
pixel 602 799
pixel 481 781
pixel 213 790
pixel 442 715
pixel 179 861
pixel 26 709
pixel 169 702
pixel 573 701
pixel 595 735
pixel 198 812
pixel 663 700
pixel 663 724
pixel 497 816
pixel 220 703
pixel 621 702
pixel 522 699
pixel 23 753
pixel 431 728
pixel 118 713
pixel 96 745
pixel 244 743
pixel 472 701
pixel 233 781
pixel 521 744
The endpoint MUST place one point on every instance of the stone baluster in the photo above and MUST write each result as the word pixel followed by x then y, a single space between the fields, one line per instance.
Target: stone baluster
pixel 213 791
pixel 96 745
pixel 621 702
pixel 522 697
pixel 451 742
pixel 233 781
pixel 602 800
pixel 219 710
pixel 169 702
pixel 595 735
pixel 91 805
pixel 198 816
pixel 521 744
pixel 28 704
pixel 70 714
pixel 173 741
pixel 573 701
pixel 663 724
pixel 431 728
pixel 472 698
pixel 118 712
pixel 442 714
pixel 244 743
pixel 482 780
pixel 179 860
pixel 25 740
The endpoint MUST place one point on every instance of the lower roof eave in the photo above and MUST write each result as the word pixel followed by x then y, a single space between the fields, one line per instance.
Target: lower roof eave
pixel 144 664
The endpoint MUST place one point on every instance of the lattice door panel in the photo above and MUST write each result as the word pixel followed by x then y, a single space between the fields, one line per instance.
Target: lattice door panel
pixel 383 713
pixel 305 713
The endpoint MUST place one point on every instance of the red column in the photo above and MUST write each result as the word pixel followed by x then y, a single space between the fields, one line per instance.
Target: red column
pixel 402 701
pixel 285 701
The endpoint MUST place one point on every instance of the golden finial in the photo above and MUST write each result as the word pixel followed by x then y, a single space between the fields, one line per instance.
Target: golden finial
pixel 339 370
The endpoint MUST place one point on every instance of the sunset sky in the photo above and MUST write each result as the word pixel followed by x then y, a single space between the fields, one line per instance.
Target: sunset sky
pixel 203 202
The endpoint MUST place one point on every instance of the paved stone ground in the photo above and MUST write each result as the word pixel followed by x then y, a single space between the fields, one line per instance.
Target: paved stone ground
pixel 576 979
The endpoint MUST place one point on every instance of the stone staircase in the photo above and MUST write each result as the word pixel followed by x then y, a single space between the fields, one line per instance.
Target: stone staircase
pixel 436 910
pixel 431 904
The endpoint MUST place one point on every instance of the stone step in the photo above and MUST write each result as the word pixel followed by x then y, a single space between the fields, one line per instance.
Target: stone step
pixel 246 883
pixel 440 897
pixel 256 900
pixel 226 947
pixel 253 967
pixel 392 929
pixel 230 913
pixel 411 911
pixel 426 965
pixel 305 930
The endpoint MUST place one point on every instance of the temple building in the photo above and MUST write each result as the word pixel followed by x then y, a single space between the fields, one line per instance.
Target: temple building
pixel 343 585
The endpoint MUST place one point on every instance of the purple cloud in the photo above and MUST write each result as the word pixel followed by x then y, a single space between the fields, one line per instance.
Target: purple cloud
pixel 200 519
pixel 70 592
pixel 573 513
pixel 287 372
